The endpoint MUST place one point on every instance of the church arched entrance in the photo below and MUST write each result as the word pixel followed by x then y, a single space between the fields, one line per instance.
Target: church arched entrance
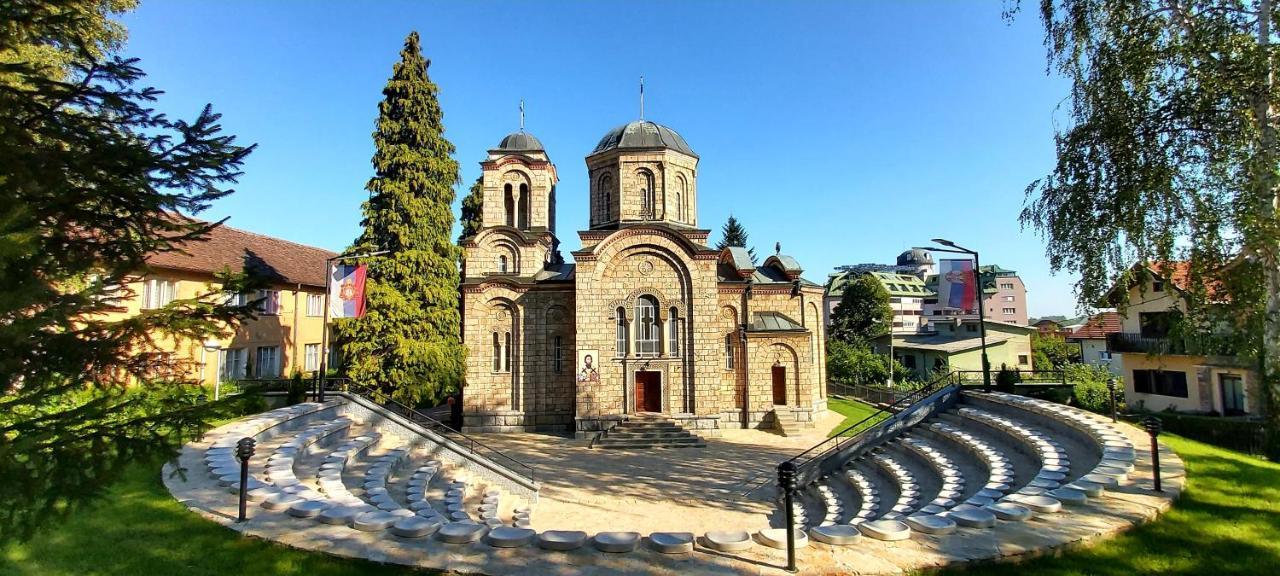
pixel 779 385
pixel 648 391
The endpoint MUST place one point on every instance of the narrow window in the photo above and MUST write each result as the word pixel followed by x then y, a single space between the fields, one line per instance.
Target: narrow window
pixel 728 351
pixel 679 206
pixel 159 293
pixel 647 316
pixel 497 354
pixel 524 206
pixel 558 355
pixel 506 353
pixel 673 332
pixel 621 335
pixel 510 205
pixel 502 264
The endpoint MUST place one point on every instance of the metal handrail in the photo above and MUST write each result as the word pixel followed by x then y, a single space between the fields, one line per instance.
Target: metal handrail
pixel 850 433
pixel 974 377
pixel 383 399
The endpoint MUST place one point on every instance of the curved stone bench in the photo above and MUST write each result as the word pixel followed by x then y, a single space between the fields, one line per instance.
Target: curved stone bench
pixel 908 489
pixel 887 530
pixel 1053 458
pixel 616 542
pixel 868 496
pixel 930 524
pixel 416 526
pixel 727 541
pixel 953 482
pixel 998 465
pixel 460 532
pixel 508 537
pixel 375 479
pixel 777 538
pixel 671 542
pixel 836 535
pixel 562 540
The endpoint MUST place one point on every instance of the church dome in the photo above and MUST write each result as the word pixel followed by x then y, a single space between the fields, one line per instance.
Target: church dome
pixel 642 134
pixel 520 142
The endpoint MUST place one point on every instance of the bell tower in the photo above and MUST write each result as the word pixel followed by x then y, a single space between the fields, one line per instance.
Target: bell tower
pixel 517 236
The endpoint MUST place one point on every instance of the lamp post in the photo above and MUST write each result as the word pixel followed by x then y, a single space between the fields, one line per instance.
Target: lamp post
pixel 1153 427
pixel 982 319
pixel 212 346
pixel 324 335
pixel 787 481
pixel 244 451
pixel 1111 389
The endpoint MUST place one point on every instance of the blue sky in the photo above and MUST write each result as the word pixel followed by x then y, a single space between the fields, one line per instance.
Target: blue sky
pixel 847 131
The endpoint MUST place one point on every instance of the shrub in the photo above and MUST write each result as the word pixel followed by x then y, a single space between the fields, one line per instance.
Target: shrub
pixel 297 389
pixel 1007 380
pixel 1089 387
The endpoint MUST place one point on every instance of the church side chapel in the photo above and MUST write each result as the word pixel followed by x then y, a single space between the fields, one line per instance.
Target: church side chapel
pixel 648 322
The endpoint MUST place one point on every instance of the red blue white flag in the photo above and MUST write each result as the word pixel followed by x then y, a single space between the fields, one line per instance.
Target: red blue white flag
pixel 957 287
pixel 346 291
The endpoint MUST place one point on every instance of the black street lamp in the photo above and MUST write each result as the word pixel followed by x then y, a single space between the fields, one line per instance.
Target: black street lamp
pixel 1111 389
pixel 1154 427
pixel 787 481
pixel 244 451
pixel 982 319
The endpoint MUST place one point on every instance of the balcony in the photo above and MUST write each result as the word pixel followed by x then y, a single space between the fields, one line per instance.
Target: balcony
pixel 1171 345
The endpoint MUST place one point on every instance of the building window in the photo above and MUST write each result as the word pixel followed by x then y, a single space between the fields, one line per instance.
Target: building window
pixel 1008 298
pixel 237 299
pixel 1157 286
pixel 728 351
pixel 502 264
pixel 971 327
pixel 233 363
pixel 158 293
pixel 497 353
pixel 268 362
pixel 315 304
pixel 1155 324
pixel 268 302
pixel 1010 311
pixel 1006 285
pixel 606 201
pixel 673 332
pixel 506 352
pixel 1023 360
pixel 620 341
pixel 1104 355
pixel 510 205
pixel 647 195
pixel 557 354
pixel 311 357
pixel 647 328
pixel 524 207
pixel 1160 382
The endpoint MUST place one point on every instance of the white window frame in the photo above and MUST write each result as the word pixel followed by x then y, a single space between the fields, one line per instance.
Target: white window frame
pixel 158 293
pixel 315 305
pixel 311 357
pixel 270 369
pixel 648 332
pixel 269 302
pixel 232 363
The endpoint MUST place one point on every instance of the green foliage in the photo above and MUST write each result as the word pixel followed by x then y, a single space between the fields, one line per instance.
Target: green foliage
pixel 94 180
pixel 1089 388
pixel 856 364
pixel 472 210
pixel 297 389
pixel 408 341
pixel 1007 380
pixel 735 234
pixel 1169 152
pixel 863 314
pixel 1236 434
pixel 1052 352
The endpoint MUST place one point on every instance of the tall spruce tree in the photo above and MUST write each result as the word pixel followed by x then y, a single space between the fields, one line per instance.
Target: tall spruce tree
pixel 94 180
pixel 472 210
pixel 1170 152
pixel 735 234
pixel 408 342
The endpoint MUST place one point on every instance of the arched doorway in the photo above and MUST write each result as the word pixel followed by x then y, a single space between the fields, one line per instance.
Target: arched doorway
pixel 779 384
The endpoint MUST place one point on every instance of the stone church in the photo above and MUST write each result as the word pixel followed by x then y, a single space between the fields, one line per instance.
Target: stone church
pixel 647 319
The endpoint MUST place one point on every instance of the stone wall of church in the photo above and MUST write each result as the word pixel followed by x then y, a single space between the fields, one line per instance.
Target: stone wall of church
pixel 657 263
pixel 539 178
pixel 532 386
pixel 526 254
pixel 675 186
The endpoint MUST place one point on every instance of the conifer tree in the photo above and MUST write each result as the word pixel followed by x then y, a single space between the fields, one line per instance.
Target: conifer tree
pixel 408 343
pixel 735 234
pixel 472 210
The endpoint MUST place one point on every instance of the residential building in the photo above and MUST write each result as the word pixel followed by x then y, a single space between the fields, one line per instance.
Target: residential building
pixel 956 344
pixel 1004 297
pixel 647 320
pixel 907 294
pixel 1162 371
pixel 1049 325
pixel 284 338
pixel 1094 339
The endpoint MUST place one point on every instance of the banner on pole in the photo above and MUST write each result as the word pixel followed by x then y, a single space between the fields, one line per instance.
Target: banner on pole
pixel 957 285
pixel 346 291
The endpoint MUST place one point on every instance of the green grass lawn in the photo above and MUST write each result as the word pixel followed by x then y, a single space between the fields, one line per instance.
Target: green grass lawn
pixel 1227 522
pixel 853 410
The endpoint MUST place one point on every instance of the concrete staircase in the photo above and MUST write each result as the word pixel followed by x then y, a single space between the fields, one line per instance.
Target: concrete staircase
pixel 649 432
pixel 784 421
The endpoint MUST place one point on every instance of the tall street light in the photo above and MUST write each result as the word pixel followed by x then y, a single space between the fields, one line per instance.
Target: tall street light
pixel 977 281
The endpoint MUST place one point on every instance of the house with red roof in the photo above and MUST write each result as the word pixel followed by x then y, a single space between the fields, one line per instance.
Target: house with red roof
pixel 1093 337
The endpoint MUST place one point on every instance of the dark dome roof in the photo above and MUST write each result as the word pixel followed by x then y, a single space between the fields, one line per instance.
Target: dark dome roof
pixel 915 256
pixel 520 142
pixel 642 134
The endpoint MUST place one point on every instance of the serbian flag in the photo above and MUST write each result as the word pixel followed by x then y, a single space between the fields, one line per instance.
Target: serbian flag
pixel 346 291
pixel 957 287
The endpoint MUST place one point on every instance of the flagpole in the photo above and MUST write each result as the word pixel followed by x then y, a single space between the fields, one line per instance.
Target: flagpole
pixel 324 337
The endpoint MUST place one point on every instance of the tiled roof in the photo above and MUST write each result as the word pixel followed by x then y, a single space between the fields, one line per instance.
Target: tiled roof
pixel 281 261
pixel 1099 326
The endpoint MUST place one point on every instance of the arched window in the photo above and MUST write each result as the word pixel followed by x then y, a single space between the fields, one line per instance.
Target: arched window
pixel 682 197
pixel 621 334
pixel 497 353
pixel 510 205
pixel 524 206
pixel 647 209
pixel 606 199
pixel 728 351
pixel 648 331
pixel 557 354
pixel 502 264
pixel 506 352
pixel 680 207
pixel 673 332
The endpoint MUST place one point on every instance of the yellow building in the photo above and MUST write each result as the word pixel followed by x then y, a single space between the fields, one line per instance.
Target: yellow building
pixel 287 334
pixel 1162 372
pixel 956 345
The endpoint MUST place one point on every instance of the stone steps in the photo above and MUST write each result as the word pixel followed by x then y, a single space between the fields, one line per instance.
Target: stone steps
pixel 648 432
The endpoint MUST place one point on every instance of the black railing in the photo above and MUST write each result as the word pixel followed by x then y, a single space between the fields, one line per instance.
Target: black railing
pixel 876 395
pixel 818 452
pixel 413 415
pixel 1137 343
pixel 1025 377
